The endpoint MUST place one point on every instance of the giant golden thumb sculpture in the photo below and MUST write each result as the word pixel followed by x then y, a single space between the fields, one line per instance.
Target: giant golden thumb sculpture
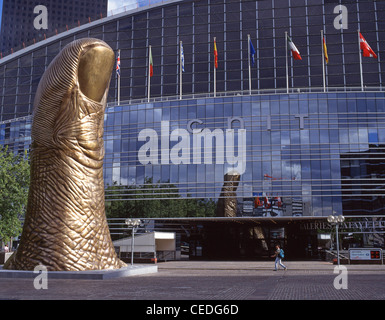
pixel 65 225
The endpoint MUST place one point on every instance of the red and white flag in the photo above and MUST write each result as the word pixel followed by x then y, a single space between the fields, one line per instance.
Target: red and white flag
pixel 366 49
pixel 267 203
pixel 294 50
pixel 151 63
pixel 118 64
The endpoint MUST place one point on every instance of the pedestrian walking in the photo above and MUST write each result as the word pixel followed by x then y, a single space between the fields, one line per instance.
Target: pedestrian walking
pixel 278 255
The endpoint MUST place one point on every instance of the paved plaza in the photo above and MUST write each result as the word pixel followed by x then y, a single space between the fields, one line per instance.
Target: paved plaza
pixel 214 280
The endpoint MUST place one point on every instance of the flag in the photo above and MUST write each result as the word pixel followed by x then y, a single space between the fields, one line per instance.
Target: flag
pixel 279 201
pixel 151 64
pixel 325 51
pixel 257 202
pixel 182 56
pixel 267 203
pixel 118 64
pixel 366 49
pixel 215 54
pixel 294 50
pixel 252 53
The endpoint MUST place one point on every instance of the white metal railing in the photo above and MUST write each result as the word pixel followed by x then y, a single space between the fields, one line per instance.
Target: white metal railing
pixel 280 91
pixel 335 254
pixel 230 94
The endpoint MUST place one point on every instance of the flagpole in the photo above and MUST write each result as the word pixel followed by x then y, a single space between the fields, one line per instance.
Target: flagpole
pixel 215 74
pixel 323 60
pixel 149 73
pixel 119 81
pixel 180 70
pixel 359 53
pixel 287 65
pixel 248 55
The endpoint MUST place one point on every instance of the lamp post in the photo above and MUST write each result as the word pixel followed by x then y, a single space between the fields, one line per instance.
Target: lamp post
pixel 336 220
pixel 133 224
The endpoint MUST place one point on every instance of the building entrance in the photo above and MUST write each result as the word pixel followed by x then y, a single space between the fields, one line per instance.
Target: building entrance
pixel 252 239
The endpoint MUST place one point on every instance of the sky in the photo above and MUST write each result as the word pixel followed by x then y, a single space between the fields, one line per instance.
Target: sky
pixel 116 4
pixel 131 4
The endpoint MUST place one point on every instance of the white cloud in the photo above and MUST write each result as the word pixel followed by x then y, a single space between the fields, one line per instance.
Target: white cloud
pixel 117 4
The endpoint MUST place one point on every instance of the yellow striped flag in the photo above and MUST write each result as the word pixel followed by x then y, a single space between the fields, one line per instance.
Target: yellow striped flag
pixel 325 51
pixel 215 54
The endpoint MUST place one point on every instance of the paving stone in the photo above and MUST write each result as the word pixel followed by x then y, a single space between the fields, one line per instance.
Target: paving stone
pixel 213 280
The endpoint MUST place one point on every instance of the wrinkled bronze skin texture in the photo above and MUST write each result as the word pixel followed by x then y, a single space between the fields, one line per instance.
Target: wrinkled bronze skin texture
pixel 65 226
pixel 227 202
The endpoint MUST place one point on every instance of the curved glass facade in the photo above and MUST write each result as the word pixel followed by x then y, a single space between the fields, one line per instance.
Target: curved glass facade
pixel 306 153
pixel 309 154
pixel 196 23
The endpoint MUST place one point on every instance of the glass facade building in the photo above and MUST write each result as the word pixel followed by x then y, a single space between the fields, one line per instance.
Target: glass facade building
pixel 24 21
pixel 316 153
pixel 308 152
pixel 164 24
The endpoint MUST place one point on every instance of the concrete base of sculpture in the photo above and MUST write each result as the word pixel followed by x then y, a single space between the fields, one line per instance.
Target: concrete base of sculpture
pixel 4 256
pixel 138 269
